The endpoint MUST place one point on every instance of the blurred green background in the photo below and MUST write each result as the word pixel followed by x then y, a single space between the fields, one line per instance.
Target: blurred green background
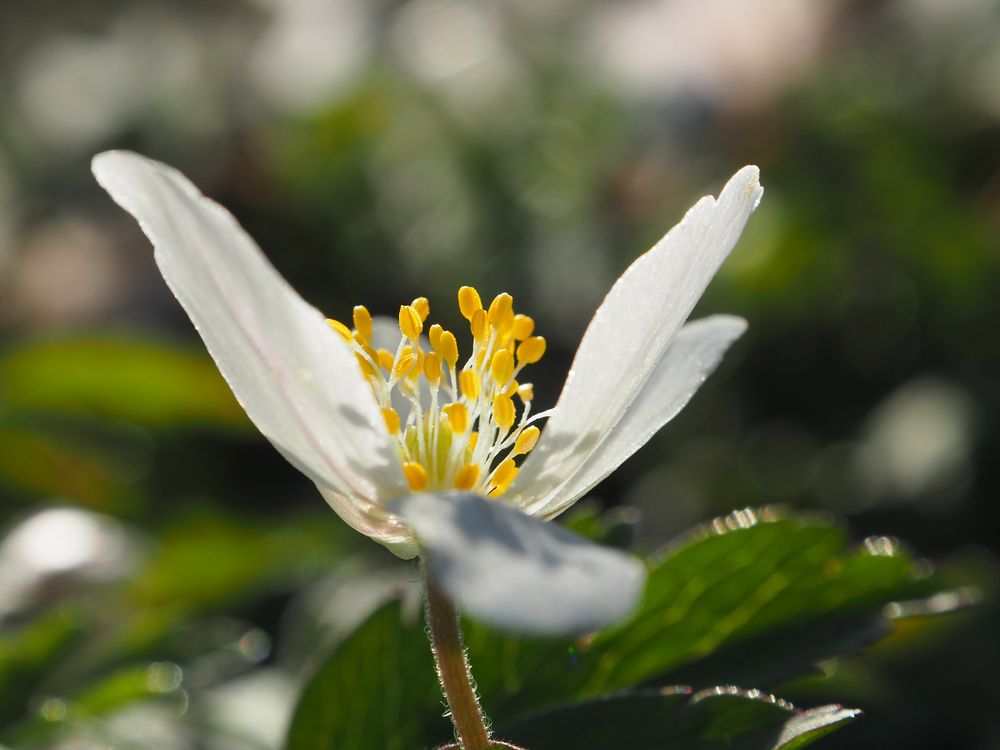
pixel 166 579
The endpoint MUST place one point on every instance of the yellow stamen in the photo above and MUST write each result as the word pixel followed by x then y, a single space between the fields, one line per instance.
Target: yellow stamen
pixel 340 328
pixel 501 312
pixel 416 475
pixel 503 411
pixel 503 476
pixel 458 417
pixel 365 365
pixel 469 301
pixel 502 366
pixel 438 443
pixel 470 384
pixel 422 307
pixel 479 324
pixel 418 363
pixel 404 364
pixel 391 417
pixel 410 323
pixel 523 327
pixel 448 347
pixel 526 440
pixel 531 350
pixel 434 335
pixel 467 477
pixel 385 358
pixel 363 323
pixel 432 368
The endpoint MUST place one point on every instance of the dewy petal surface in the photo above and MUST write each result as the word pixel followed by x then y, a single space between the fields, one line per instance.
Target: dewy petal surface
pixel 691 357
pixel 630 332
pixel 517 572
pixel 292 374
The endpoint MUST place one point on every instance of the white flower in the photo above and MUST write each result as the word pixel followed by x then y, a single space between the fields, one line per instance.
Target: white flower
pixel 370 427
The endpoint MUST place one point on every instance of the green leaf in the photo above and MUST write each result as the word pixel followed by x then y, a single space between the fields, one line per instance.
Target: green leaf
pixel 104 696
pixel 377 690
pixel 146 382
pixel 38 463
pixel 613 528
pixel 673 719
pixel 747 599
pixel 776 593
pixel 30 653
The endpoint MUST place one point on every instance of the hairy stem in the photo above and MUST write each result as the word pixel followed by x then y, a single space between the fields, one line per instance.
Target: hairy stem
pixel 453 669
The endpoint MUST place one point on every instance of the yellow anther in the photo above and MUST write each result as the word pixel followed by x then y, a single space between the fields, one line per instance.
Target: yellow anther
pixel 391 417
pixel 526 440
pixel 511 388
pixel 410 323
pixel 458 417
pixel 434 335
pixel 416 475
pixel 526 392
pixel 501 312
pixel 531 350
pixel 473 439
pixel 469 301
pixel 418 363
pixel 470 384
pixel 432 368
pixel 502 366
pixel 385 358
pixel 422 306
pixel 479 324
pixel 340 328
pixel 404 364
pixel 503 411
pixel 467 477
pixel 448 347
pixel 523 327
pixel 363 323
pixel 365 365
pixel 503 476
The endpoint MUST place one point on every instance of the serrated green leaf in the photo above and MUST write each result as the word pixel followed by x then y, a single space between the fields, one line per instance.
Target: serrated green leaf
pixel 376 690
pixel 748 599
pixel 673 719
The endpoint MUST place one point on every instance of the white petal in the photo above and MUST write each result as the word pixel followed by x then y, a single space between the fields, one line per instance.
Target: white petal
pixel 294 376
pixel 691 357
pixel 375 522
pixel 630 332
pixel 517 572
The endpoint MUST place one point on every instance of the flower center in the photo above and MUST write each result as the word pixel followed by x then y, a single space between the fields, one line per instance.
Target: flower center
pixel 463 429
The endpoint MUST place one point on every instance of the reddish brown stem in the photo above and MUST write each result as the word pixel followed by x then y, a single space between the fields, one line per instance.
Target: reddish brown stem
pixel 453 670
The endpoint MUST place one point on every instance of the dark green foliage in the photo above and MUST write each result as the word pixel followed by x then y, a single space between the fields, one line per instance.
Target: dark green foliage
pixel 748 599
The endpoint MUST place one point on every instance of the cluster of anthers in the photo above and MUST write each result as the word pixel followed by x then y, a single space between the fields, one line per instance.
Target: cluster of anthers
pixel 465 433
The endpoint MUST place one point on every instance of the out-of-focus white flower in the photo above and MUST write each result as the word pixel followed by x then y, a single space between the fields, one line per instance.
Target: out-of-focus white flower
pixel 724 50
pixel 371 423
pixel 311 51
pixel 917 443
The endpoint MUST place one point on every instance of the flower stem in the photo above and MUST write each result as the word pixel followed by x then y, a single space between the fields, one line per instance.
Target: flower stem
pixel 453 669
